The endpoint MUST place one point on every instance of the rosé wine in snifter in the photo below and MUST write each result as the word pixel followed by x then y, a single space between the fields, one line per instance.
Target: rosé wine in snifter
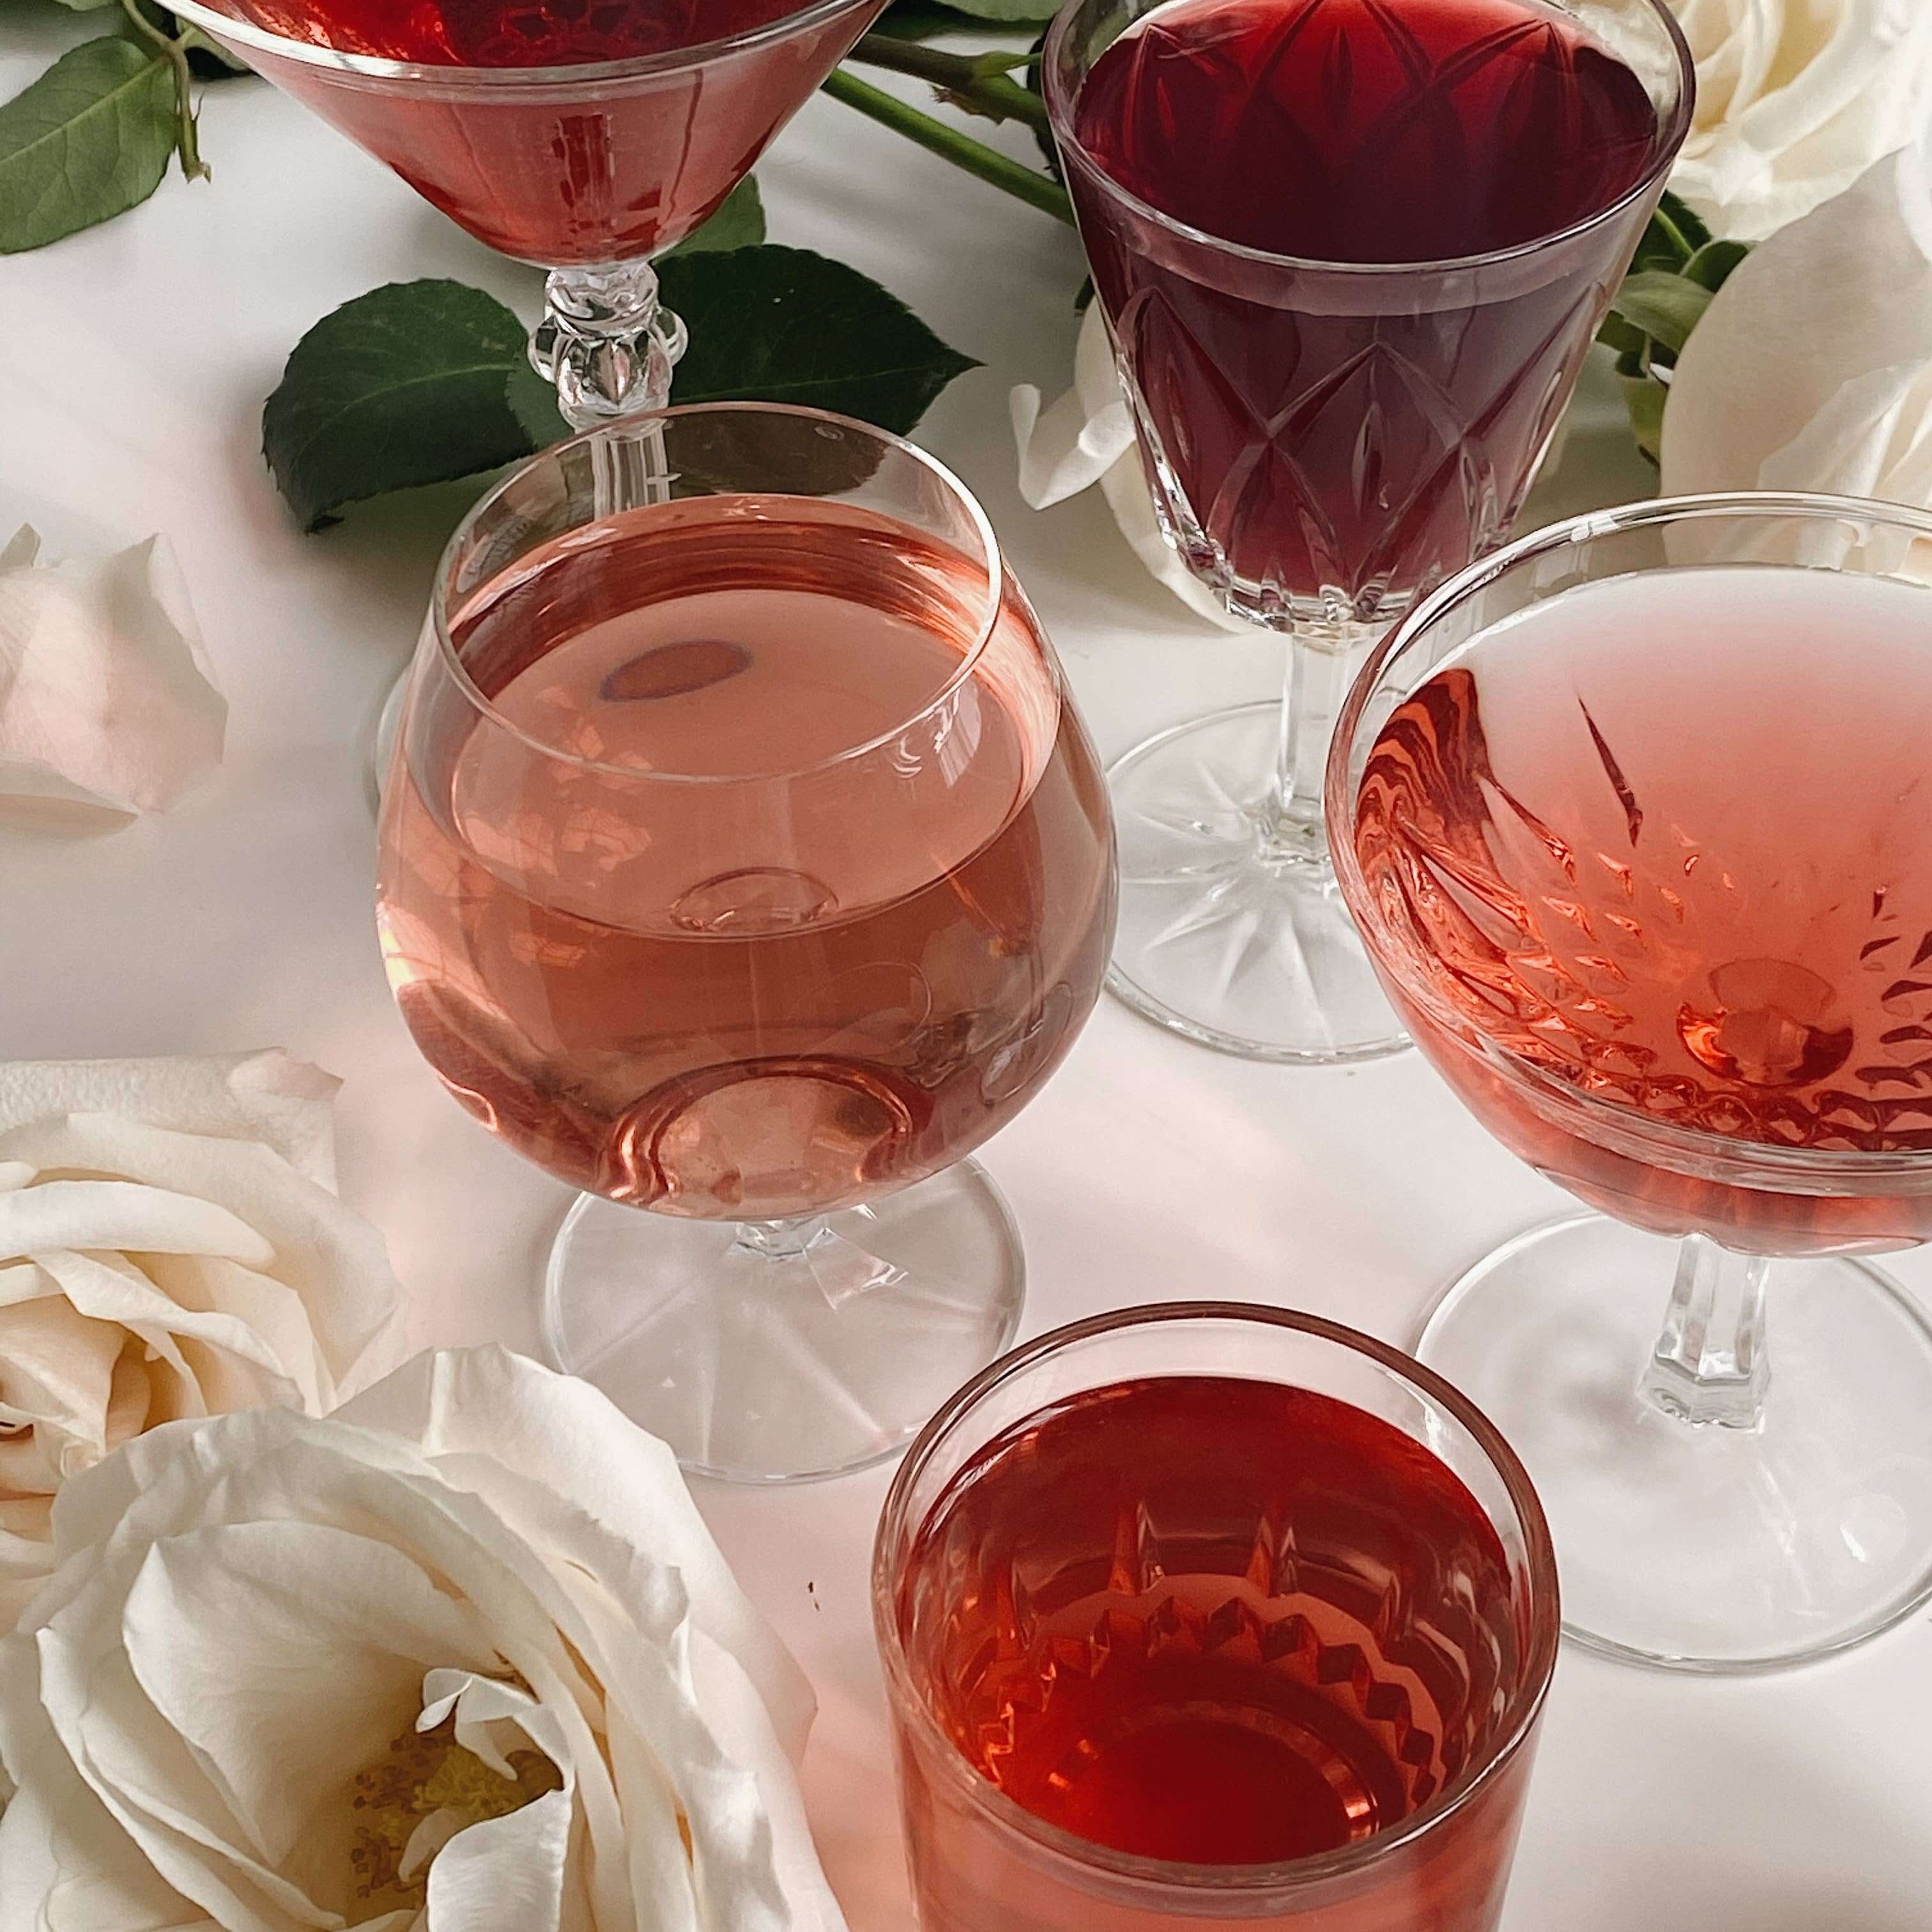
pixel 699 958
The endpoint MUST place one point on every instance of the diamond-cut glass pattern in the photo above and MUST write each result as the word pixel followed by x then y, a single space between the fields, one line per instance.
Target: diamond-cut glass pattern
pixel 1312 429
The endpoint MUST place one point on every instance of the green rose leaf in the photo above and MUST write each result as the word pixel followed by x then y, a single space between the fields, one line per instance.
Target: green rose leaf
pixel 408 384
pixel 88 140
pixel 423 381
pixel 1712 266
pixel 1665 307
pixel 739 222
pixel 772 324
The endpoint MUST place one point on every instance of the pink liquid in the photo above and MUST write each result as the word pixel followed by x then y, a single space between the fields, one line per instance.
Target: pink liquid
pixel 595 172
pixel 1663 838
pixel 1214 1621
pixel 756 996
pixel 1365 434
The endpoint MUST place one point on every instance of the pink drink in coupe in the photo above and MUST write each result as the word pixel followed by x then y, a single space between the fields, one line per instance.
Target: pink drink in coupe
pixel 565 171
pixel 709 960
pixel 1662 838
pixel 1365 434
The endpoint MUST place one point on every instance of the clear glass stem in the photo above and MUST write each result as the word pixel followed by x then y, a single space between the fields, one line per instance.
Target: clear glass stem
pixel 606 342
pixel 841 1266
pixel 1710 1367
pixel 1323 658
pixel 609 346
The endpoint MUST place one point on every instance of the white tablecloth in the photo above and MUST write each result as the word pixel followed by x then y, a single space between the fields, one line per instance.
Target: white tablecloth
pixel 134 363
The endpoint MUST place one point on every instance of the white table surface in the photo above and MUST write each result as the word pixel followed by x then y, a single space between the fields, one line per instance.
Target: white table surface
pixel 134 363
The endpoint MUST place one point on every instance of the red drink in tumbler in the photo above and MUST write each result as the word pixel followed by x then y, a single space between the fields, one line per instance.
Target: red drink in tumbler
pixel 1199 1633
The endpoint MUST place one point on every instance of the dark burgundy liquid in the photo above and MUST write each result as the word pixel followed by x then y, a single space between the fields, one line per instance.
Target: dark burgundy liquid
pixel 553 174
pixel 1370 433
pixel 1215 1620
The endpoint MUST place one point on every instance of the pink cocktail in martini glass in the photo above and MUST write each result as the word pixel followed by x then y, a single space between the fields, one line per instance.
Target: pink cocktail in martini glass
pixel 583 136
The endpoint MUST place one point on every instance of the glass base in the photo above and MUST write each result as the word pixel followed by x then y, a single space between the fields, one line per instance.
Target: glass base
pixel 783 1352
pixel 1224 938
pixel 1709 1549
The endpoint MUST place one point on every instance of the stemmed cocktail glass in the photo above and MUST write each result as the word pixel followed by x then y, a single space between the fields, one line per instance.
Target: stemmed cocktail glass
pixel 1632 818
pixel 745 865
pixel 1351 254
pixel 587 166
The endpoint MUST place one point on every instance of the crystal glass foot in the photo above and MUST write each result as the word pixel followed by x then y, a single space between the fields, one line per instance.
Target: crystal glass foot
pixel 784 1351
pixel 1804 1530
pixel 744 865
pixel 1225 911
pixel 1344 360
pixel 1626 815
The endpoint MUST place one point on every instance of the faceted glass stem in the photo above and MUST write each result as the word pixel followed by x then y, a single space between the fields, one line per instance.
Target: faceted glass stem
pixel 606 342
pixel 840 1266
pixel 1323 658
pixel 1710 1367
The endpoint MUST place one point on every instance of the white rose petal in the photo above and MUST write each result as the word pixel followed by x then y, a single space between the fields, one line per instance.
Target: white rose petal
pixel 476 1599
pixel 1795 99
pixel 169 1247
pixel 1812 368
pixel 107 700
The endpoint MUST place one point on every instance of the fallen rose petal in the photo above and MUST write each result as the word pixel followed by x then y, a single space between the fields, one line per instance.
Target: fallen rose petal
pixel 107 699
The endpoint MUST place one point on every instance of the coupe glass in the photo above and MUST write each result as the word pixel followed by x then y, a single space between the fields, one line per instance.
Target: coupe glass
pixel 587 170
pixel 1736 1065
pixel 1419 1636
pixel 744 861
pixel 1325 440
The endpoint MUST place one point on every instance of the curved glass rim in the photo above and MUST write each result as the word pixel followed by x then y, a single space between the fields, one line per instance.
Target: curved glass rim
pixel 1060 109
pixel 1743 1162
pixel 633 425
pixel 221 26
pixel 1226 1880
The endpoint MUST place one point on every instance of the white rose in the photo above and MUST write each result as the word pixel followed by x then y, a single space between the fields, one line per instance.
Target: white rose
pixel 1795 99
pixel 168 1247
pixel 461 1658
pixel 1812 368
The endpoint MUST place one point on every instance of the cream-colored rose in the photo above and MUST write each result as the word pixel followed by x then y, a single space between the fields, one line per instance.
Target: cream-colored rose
pixel 1812 368
pixel 462 1657
pixel 1795 99
pixel 169 1247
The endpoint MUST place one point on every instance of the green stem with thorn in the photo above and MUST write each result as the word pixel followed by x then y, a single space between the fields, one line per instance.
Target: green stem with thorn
pixel 967 80
pixel 175 52
pixel 1048 196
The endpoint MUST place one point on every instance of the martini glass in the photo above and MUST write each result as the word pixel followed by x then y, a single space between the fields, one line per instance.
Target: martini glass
pixel 1351 254
pixel 1630 818
pixel 587 169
